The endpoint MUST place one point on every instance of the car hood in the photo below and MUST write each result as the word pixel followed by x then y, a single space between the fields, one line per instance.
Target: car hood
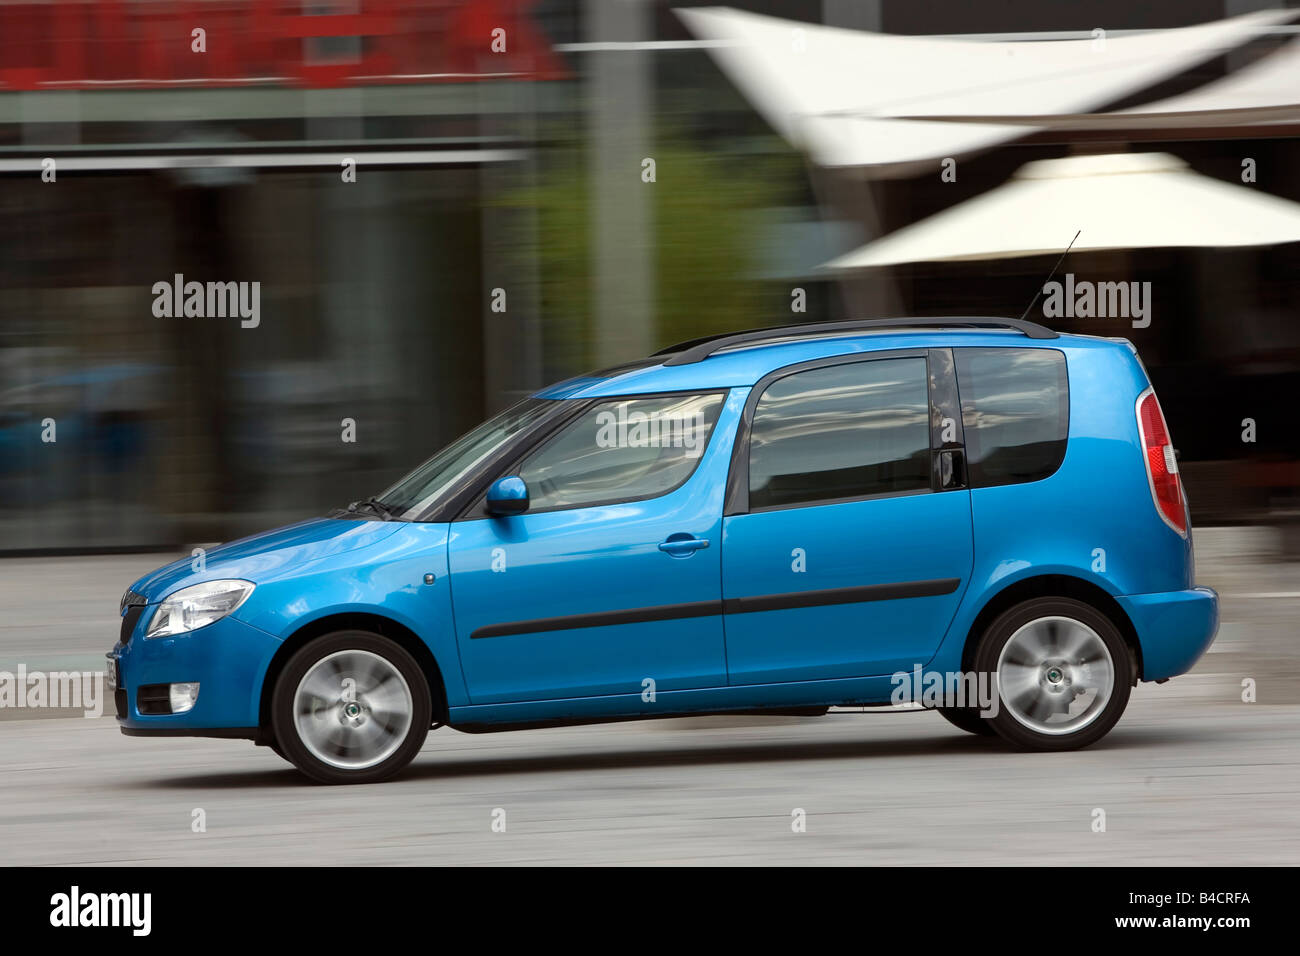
pixel 267 556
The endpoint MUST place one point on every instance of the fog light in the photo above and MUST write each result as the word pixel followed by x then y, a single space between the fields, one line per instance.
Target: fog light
pixel 183 696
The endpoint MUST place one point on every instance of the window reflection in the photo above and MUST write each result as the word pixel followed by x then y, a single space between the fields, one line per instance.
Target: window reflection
pixel 843 431
pixel 622 450
pixel 1015 408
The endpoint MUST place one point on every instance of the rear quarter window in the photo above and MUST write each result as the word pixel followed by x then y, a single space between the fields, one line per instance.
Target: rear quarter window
pixel 1015 407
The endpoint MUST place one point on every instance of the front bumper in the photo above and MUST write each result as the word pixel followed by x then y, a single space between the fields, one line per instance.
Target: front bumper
pixel 1174 628
pixel 228 659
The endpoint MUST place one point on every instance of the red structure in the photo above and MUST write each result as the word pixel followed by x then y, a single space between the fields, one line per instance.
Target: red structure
pixel 96 44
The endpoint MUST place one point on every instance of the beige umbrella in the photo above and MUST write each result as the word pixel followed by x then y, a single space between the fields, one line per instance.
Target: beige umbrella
pixel 1115 201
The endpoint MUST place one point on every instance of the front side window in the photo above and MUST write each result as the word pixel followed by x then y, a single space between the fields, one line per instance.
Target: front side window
pixel 622 450
pixel 1015 406
pixel 841 431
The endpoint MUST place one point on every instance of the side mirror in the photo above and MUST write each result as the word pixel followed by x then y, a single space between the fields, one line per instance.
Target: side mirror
pixel 507 496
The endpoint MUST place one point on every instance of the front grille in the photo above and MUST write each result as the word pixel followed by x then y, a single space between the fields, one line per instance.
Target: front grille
pixel 132 615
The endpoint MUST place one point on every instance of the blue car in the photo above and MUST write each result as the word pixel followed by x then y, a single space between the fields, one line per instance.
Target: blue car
pixel 978 516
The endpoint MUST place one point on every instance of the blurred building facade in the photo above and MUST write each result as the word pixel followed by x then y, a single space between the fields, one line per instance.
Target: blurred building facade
pixel 446 205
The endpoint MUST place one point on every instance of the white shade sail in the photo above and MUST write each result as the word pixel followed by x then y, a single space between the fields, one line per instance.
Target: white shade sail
pixel 896 147
pixel 852 98
pixel 1118 201
pixel 1266 91
pixel 1270 84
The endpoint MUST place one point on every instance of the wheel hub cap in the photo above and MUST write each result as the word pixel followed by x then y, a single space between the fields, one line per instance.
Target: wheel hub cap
pixel 1055 675
pixel 353 709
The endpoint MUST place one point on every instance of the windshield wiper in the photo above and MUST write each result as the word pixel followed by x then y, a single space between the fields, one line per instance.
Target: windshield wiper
pixel 375 505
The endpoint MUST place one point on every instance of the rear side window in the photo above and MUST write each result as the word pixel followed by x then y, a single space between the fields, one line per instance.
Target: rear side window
pixel 1015 407
pixel 841 431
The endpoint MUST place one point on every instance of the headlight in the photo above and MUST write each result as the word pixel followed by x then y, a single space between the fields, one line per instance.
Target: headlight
pixel 197 606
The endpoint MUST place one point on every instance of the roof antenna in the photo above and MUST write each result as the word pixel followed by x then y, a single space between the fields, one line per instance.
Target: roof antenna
pixel 1049 275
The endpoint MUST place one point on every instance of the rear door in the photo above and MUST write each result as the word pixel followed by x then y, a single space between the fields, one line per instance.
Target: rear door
pixel 847 539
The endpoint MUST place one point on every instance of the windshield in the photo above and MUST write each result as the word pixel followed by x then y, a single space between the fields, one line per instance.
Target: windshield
pixel 439 474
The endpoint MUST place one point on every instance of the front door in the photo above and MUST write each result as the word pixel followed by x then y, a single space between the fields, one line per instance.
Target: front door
pixel 610 582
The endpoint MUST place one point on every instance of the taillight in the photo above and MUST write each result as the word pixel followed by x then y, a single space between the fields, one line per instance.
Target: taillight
pixel 1162 466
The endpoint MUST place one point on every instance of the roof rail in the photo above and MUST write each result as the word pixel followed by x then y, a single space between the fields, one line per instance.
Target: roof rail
pixel 697 350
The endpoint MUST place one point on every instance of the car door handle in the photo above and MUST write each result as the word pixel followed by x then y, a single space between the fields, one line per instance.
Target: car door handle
pixel 680 545
pixel 952 469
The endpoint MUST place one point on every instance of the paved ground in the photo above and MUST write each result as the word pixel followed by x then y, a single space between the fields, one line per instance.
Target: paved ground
pixel 1190 776
pixel 1181 782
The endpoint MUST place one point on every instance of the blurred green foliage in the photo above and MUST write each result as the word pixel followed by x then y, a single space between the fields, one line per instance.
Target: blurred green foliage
pixel 706 217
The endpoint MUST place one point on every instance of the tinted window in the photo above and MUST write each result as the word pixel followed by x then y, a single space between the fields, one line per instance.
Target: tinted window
pixel 1015 409
pixel 621 451
pixel 843 431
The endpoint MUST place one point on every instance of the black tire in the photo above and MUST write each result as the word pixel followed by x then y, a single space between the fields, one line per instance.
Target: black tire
pixel 969 720
pixel 1035 621
pixel 333 755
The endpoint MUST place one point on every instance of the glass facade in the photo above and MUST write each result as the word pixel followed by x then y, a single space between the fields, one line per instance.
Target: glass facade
pixel 367 352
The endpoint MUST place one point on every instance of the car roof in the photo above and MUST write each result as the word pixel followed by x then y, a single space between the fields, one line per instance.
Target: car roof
pixel 741 359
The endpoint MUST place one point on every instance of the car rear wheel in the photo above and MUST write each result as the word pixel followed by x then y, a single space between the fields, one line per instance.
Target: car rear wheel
pixel 1063 673
pixel 351 707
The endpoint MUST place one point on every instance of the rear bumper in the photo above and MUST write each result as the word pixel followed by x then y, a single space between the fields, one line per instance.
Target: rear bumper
pixel 1174 628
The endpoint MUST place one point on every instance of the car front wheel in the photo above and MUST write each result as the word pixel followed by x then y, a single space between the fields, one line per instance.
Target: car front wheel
pixel 1063 673
pixel 351 707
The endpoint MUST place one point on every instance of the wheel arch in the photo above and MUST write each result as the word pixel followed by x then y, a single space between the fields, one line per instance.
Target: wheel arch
pixel 1053 585
pixel 399 633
